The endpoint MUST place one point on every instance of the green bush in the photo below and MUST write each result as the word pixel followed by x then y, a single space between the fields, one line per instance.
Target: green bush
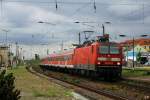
pixel 7 87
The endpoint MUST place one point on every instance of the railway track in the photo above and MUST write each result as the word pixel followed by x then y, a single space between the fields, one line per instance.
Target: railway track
pixel 85 87
pixel 140 85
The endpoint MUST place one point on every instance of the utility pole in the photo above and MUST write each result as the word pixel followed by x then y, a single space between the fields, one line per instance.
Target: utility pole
pixel 62 46
pixel 6 37
pixel 1 8
pixel 47 51
pixel 17 52
pixel 79 38
pixel 103 29
pixel 127 53
pixel 20 54
pixel 6 31
pixel 10 56
pixel 133 52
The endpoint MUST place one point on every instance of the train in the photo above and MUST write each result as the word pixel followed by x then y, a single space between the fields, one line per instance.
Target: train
pixel 99 58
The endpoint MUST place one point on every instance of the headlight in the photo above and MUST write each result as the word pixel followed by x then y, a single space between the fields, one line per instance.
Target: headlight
pixel 99 63
pixel 118 63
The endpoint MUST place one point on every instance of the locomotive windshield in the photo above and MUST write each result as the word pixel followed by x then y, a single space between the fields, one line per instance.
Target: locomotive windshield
pixel 114 50
pixel 105 49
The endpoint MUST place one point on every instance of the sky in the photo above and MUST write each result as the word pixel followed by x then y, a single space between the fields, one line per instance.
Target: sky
pixel 20 18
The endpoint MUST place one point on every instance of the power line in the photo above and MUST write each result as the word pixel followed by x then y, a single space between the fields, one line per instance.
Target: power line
pixel 79 9
pixel 85 4
pixel 56 4
pixel 94 6
pixel 143 13
pixel 1 1
pixel 70 2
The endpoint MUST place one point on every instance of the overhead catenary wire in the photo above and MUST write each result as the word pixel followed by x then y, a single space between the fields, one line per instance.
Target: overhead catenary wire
pixel 1 1
pixel 79 9
pixel 56 5
pixel 94 6
pixel 76 2
pixel 143 13
pixel 85 4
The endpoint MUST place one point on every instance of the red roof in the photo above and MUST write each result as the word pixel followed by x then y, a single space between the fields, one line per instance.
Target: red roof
pixel 140 41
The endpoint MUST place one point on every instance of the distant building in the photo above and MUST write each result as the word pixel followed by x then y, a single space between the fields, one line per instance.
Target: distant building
pixel 139 48
pixel 142 42
pixel 129 55
pixel 4 56
pixel 141 45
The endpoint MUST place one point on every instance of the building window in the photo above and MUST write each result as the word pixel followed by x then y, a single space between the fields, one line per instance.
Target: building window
pixel 144 47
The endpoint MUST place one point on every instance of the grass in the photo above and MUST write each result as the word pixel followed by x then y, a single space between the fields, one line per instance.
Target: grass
pixel 33 62
pixel 51 92
pixel 137 72
pixel 32 86
pixel 139 68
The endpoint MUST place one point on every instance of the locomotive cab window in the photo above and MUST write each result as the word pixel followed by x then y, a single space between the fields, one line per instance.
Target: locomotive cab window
pixel 114 50
pixel 104 49
pixel 111 49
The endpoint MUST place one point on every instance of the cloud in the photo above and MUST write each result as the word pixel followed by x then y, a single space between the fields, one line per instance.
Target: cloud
pixel 23 15
pixel 126 12
pixel 21 19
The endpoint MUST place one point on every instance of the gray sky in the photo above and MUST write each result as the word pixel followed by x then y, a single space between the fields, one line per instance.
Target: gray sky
pixel 20 17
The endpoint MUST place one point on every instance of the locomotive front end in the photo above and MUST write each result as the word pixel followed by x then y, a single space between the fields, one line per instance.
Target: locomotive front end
pixel 109 60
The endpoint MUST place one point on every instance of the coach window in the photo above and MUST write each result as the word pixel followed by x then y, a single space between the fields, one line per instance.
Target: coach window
pixel 57 58
pixel 70 57
pixel 52 59
pixel 65 58
pixel 60 59
pixel 49 59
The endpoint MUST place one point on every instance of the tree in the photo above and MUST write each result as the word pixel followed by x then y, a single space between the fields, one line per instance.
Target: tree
pixel 37 57
pixel 139 56
pixel 7 87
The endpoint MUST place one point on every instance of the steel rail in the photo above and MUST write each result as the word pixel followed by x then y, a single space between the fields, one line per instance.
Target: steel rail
pixel 140 85
pixel 100 92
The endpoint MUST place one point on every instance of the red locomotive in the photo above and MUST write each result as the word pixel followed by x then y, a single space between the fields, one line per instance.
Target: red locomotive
pixel 99 57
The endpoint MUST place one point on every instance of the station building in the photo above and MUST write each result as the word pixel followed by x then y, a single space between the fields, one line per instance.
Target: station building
pixel 4 56
pixel 143 43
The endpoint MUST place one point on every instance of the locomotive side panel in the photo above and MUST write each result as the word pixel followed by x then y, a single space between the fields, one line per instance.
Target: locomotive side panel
pixel 84 58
